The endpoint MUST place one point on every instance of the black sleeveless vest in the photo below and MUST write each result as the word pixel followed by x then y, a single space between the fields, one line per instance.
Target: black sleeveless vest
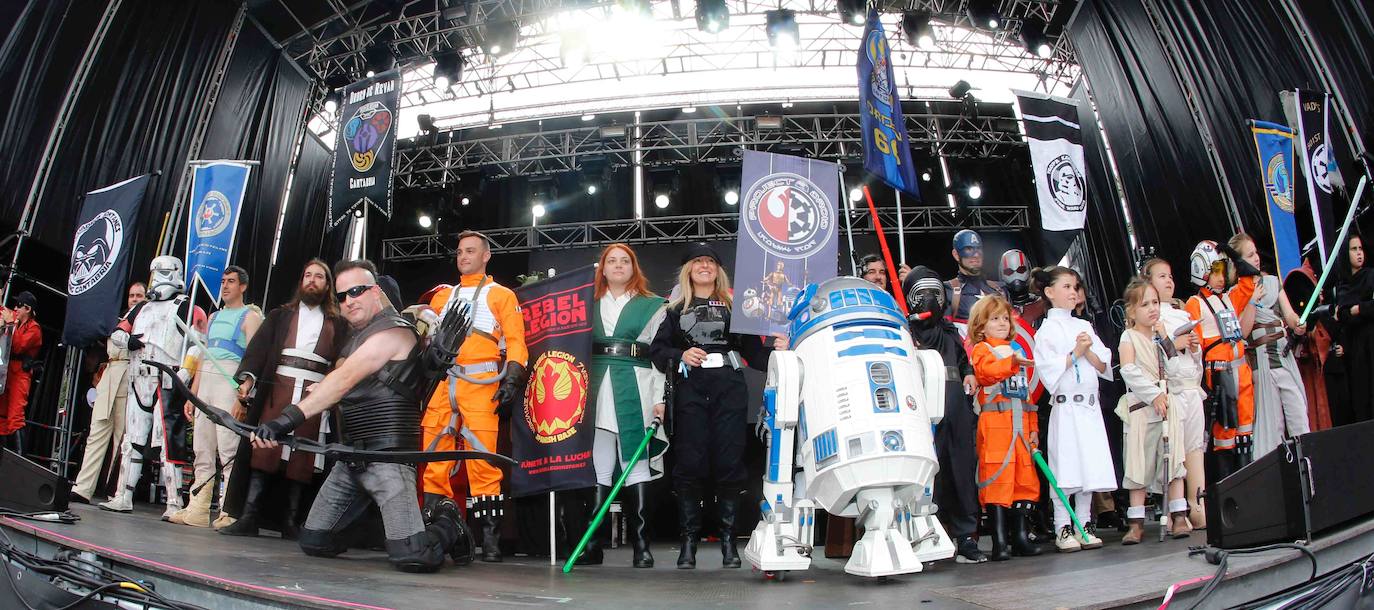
pixel 383 410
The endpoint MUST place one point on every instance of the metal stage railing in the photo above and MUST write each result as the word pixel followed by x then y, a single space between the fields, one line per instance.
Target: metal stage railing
pixel 672 229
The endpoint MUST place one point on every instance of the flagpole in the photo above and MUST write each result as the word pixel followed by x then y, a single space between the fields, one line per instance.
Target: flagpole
pixel 901 232
pixel 848 223
pixel 553 532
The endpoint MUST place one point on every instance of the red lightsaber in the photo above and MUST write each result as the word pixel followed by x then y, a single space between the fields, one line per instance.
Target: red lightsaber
pixel 887 254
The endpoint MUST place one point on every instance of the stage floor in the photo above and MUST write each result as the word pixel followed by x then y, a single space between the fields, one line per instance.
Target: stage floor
pixel 275 571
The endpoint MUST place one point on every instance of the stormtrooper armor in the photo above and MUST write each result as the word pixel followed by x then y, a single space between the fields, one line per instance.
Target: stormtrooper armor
pixel 848 415
pixel 152 334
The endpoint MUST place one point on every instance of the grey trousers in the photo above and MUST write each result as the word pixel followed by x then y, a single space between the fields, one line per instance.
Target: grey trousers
pixel 347 492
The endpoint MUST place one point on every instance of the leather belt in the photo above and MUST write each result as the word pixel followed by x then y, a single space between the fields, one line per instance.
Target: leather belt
pixel 301 374
pixel 296 362
pixel 627 350
pixel 1137 406
pixel 1060 399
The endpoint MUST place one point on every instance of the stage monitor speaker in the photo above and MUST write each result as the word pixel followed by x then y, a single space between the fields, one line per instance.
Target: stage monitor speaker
pixel 1304 487
pixel 27 487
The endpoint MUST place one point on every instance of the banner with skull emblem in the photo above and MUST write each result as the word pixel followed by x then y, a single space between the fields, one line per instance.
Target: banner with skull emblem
pixel 364 147
pixel 787 237
pixel 1056 152
pixel 101 249
pixel 552 438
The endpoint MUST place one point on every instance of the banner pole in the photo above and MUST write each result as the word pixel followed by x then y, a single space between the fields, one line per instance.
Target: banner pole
pixel 848 224
pixel 901 229
pixel 553 532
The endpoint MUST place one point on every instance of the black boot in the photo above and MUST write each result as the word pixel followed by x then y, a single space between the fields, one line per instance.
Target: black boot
pixel 594 554
pixel 489 510
pixel 290 530
pixel 689 514
pixel 727 505
pixel 997 522
pixel 1021 546
pixel 637 498
pixel 440 510
pixel 247 524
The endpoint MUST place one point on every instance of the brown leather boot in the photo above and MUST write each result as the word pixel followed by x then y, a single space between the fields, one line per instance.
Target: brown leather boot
pixel 1135 530
pixel 1179 527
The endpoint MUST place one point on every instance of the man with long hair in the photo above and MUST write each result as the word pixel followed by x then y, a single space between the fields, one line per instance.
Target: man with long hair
pixel 293 349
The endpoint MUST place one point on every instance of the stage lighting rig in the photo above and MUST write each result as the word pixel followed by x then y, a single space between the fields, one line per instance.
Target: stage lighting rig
pixel 500 37
pixel 975 192
pixel 1033 37
pixel 960 89
pixel 712 16
pixel 783 33
pixel 852 12
pixel 448 68
pixel 426 123
pixel 917 30
pixel 984 14
pixel 378 58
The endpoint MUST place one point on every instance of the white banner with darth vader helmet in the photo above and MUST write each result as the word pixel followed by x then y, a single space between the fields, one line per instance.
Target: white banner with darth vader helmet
pixel 1056 152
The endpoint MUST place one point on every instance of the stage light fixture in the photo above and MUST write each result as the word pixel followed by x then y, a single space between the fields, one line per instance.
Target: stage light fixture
pixel 689 109
pixel 538 210
pixel 783 33
pixel 852 12
pixel 855 195
pixel 983 14
pixel 591 189
pixel 500 37
pixel 1033 37
pixel 588 117
pixel 448 68
pixel 331 104
pixel 426 122
pixel 465 201
pixel 712 16
pixel 975 192
pixel 370 73
pixel 661 201
pixel 917 30
pixel 731 197
pixel 960 89
pixel 925 176
pixel 378 58
pixel 787 104
pixel 425 221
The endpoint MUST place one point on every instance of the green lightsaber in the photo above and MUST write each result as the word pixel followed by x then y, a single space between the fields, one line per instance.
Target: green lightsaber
pixel 1331 257
pixel 1054 484
pixel 610 497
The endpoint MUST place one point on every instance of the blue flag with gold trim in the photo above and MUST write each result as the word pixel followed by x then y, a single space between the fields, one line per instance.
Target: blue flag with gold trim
pixel 887 151
pixel 216 199
pixel 1274 145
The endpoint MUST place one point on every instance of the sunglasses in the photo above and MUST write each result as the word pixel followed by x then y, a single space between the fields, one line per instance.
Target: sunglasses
pixel 354 292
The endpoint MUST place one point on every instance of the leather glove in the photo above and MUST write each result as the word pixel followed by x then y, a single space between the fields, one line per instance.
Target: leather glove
pixel 277 429
pixel 136 343
pixel 1321 311
pixel 510 391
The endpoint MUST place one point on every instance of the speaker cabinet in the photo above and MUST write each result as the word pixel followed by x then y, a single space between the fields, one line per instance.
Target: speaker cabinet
pixel 27 487
pixel 1304 487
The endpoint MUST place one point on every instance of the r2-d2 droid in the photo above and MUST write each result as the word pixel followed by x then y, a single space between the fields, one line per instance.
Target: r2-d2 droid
pixel 848 413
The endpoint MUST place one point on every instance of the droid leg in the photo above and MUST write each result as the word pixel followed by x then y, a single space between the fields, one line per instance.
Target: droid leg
pixel 783 538
pixel 917 521
pixel 884 550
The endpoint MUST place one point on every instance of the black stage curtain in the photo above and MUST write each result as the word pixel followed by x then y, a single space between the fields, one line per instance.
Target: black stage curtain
pixel 1111 263
pixel 303 232
pixel 1344 31
pixel 259 116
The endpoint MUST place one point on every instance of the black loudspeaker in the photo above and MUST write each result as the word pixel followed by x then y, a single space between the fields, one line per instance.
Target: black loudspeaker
pixel 26 487
pixel 1304 487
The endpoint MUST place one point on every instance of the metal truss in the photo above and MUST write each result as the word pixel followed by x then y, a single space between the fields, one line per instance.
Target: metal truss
pixel 674 229
pixel 707 139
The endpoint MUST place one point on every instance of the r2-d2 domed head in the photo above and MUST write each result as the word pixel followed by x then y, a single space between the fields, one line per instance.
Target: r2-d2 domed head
pixel 168 278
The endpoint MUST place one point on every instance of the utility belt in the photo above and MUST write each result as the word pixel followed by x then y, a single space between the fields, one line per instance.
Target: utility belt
pixel 716 360
pixel 477 368
pixel 1261 335
pixel 1089 399
pixel 1007 405
pixel 623 349
pixel 302 365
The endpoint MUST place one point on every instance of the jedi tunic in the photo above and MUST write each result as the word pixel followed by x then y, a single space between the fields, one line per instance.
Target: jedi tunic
pixel 1280 400
pixel 624 381
pixel 1146 429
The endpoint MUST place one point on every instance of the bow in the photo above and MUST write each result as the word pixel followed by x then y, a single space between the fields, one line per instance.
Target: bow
pixel 337 451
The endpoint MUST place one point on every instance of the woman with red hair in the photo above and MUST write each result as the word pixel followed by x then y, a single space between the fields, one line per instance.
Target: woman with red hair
pixel 628 391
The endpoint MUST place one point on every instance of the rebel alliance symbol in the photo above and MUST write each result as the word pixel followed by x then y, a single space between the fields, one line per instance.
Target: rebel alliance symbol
pixel 788 216
pixel 365 133
pixel 1066 184
pixel 95 250
pixel 1319 169
pixel 212 215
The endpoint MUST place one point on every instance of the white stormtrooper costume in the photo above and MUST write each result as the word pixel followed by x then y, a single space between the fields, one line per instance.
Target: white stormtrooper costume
pixel 150 332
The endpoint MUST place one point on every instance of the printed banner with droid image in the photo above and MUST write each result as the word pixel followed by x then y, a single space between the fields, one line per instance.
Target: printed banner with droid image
pixel 787 237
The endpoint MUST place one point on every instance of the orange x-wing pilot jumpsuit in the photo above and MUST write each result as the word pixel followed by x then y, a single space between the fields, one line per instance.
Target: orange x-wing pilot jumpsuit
pixel 497 327
pixel 1235 300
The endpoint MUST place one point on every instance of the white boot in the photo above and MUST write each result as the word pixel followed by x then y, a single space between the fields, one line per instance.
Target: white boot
pixel 122 502
pixel 171 481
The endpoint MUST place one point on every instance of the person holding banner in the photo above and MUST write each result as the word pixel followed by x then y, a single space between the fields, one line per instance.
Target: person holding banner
pixel 965 288
pixel 710 397
pixel 1354 312
pixel 107 412
pixel 231 328
pixel 1280 398
pixel 483 387
pixel 629 393
pixel 26 338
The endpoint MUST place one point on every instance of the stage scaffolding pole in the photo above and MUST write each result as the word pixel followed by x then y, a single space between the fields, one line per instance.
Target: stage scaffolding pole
pixel 901 233
pixel 553 532
pixel 58 461
pixel 848 223
pixel 33 201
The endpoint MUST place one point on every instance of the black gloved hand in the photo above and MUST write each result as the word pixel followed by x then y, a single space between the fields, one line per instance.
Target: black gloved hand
pixel 136 343
pixel 1243 267
pixel 277 429
pixel 510 391
pixel 1319 312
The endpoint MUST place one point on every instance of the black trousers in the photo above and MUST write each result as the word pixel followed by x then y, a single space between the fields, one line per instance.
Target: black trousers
pixel 709 430
pixel 956 485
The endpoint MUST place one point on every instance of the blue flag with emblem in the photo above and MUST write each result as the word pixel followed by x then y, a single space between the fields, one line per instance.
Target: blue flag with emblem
pixel 887 151
pixel 1274 145
pixel 216 199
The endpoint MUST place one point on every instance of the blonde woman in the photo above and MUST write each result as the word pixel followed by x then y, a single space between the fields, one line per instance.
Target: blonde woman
pixel 710 400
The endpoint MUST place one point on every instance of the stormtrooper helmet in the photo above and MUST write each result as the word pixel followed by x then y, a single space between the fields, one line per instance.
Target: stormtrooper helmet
pixel 168 279
pixel 1016 271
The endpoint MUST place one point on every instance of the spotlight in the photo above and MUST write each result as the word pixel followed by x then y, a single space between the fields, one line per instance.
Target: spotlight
pixel 960 89
pixel 661 201
pixel 855 195
pixel 925 176
pixel 731 197
pixel 371 73
pixel 917 30
pixel 712 16
pixel 378 58
pixel 852 12
pixel 1033 37
pixel 538 210
pixel 448 68
pixel 465 201
pixel 588 117
pixel 425 221
pixel 983 14
pixel 787 104
pixel 499 38
pixel 783 33
pixel 975 192
pixel 591 189
pixel 689 109
pixel 426 122
pixel 331 104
